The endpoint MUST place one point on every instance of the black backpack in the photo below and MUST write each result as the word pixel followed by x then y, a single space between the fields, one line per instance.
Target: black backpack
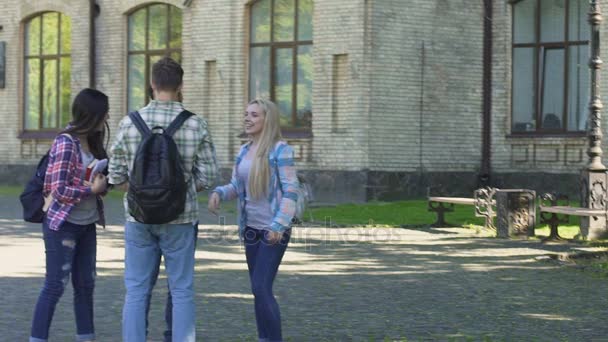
pixel 157 185
pixel 31 198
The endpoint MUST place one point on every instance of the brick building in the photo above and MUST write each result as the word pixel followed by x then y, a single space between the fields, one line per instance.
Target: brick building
pixel 380 98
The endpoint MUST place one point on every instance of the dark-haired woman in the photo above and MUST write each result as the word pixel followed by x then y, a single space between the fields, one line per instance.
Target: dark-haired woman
pixel 70 239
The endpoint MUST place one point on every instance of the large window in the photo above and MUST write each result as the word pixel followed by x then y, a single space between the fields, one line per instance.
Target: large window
pixel 47 72
pixel 155 31
pixel 280 61
pixel 550 73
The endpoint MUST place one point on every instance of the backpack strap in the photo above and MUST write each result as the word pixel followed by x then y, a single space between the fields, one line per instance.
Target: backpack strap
pixel 178 122
pixel 140 124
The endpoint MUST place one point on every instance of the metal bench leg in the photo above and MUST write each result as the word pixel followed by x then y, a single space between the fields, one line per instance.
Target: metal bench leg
pixel 489 221
pixel 552 219
pixel 440 208
pixel 553 222
pixel 554 234
pixel 440 218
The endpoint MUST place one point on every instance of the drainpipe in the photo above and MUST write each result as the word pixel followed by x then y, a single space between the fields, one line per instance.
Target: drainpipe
pixel 485 172
pixel 94 12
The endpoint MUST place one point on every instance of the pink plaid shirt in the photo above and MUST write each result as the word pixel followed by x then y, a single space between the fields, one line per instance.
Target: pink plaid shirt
pixel 63 180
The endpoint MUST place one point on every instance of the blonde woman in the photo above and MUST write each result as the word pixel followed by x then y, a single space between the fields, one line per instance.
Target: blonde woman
pixel 264 181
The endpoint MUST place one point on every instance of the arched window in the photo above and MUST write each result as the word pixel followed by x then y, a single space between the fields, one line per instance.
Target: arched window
pixel 155 31
pixel 550 75
pixel 47 72
pixel 280 58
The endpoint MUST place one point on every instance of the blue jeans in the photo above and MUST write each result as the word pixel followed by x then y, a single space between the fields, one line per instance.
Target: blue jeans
pixel 168 307
pixel 169 304
pixel 144 244
pixel 71 250
pixel 263 260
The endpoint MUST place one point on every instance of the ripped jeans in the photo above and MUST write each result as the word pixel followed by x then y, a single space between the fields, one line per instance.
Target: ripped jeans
pixel 71 251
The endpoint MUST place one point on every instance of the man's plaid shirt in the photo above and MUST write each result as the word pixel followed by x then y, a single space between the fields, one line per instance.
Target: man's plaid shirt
pixel 194 144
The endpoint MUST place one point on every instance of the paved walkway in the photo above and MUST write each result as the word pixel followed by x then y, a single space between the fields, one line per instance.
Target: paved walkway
pixel 335 285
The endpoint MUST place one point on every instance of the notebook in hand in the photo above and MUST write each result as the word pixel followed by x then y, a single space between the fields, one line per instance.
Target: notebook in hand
pixel 95 167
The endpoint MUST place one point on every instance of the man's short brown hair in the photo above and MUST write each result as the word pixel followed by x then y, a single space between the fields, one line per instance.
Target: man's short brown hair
pixel 167 74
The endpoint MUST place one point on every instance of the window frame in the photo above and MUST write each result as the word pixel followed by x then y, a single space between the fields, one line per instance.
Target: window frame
pixel 291 130
pixel 40 132
pixel 150 53
pixel 539 49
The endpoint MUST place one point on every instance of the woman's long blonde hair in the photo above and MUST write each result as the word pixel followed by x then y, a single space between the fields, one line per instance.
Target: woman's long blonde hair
pixel 259 175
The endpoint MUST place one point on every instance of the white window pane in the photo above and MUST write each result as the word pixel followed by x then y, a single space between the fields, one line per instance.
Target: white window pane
pixel 157 27
pixel 524 14
pixel 551 75
pixel 283 84
pixel 523 90
pixel 304 87
pixel 578 88
pixel 176 27
pixel 32 93
pixel 137 90
pixel 578 26
pixel 552 20
pixel 259 73
pixel 137 30
pixel 284 19
pixel 66 92
pixel 50 33
pixel 305 20
pixel 66 34
pixel 32 37
pixel 260 22
pixel 49 94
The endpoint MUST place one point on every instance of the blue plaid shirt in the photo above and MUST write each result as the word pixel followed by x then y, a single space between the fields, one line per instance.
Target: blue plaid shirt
pixel 282 193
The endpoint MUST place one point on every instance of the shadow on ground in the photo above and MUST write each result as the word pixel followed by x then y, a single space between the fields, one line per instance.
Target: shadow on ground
pixel 341 285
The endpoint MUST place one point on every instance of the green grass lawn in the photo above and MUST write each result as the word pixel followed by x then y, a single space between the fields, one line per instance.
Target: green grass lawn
pixel 409 213
pixel 392 214
pixel 6 190
pixel 414 213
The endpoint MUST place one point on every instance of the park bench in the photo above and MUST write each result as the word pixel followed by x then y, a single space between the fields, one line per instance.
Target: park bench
pixel 550 213
pixel 482 200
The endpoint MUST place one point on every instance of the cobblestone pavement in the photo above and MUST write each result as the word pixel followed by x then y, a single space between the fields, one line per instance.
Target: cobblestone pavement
pixel 334 285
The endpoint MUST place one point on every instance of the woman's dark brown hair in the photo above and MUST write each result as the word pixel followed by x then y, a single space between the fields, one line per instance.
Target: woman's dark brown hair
pixel 89 111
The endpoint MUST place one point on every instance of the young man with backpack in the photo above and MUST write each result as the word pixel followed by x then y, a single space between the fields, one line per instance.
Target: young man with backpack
pixel 162 156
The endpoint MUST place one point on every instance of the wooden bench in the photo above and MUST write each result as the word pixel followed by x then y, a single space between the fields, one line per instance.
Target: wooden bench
pixel 549 214
pixel 483 200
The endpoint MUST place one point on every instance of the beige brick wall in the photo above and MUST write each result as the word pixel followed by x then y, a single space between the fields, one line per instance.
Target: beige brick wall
pixel 215 66
pixel 10 20
pixel 426 113
pixel 375 106
pixel 215 39
pixel 340 36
